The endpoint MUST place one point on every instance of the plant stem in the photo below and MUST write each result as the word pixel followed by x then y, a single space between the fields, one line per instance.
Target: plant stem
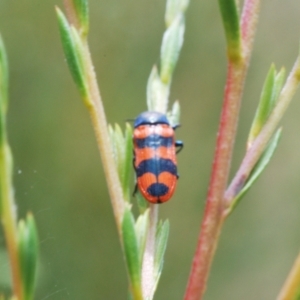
pixel 248 26
pixel 213 217
pixel 8 218
pixel 98 117
pixel 291 287
pixel 259 144
pixel 96 110
pixel 148 283
pixel 70 11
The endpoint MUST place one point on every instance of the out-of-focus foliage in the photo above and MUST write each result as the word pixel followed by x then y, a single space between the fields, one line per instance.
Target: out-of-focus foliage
pixel 58 174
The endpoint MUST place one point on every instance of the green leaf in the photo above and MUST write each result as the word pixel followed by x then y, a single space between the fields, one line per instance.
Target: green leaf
pixel 127 164
pixel 73 52
pixel 141 228
pixel 297 294
pixel 82 11
pixel 3 78
pixel 157 92
pixel 122 150
pixel 6 170
pixel 264 106
pixel 170 48
pixel 230 17
pixel 119 144
pixel 160 248
pixel 142 203
pixel 258 169
pixel 132 255
pixel 269 95
pixel 278 84
pixel 174 114
pixel 28 254
pixel 173 8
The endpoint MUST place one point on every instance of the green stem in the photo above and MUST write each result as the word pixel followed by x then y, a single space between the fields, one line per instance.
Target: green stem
pixel 8 218
pixel 96 110
pixel 98 117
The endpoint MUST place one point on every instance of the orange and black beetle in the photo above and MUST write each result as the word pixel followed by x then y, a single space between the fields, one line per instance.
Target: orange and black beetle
pixel 155 156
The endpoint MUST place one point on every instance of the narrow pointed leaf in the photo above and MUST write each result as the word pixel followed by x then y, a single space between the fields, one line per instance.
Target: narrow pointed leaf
pixel 258 169
pixel 119 142
pixel 71 52
pixel 78 48
pixel 127 165
pixel 122 150
pixel 157 92
pixel 161 245
pixel 131 251
pixel 82 11
pixel 141 228
pixel 153 86
pixel 28 253
pixel 173 8
pixel 174 114
pixel 170 48
pixel 6 169
pixel 230 17
pixel 278 84
pixel 264 106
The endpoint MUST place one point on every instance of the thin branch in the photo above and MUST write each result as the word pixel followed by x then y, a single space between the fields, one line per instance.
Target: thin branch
pixel 213 217
pixel 8 218
pixel 98 117
pixel 213 220
pixel 292 284
pixel 71 13
pixel 103 140
pixel 259 144
pixel 248 26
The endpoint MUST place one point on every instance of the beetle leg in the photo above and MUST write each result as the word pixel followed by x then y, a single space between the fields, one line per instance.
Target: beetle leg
pixel 176 126
pixel 179 146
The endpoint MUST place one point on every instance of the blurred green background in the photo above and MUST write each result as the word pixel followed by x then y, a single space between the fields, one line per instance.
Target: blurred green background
pixel 58 173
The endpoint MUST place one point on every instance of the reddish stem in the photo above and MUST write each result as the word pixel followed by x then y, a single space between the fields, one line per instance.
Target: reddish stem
pixel 213 215
pixel 213 219
pixel 71 13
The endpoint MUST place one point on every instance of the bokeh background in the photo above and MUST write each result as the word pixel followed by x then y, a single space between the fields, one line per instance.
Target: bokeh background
pixel 58 173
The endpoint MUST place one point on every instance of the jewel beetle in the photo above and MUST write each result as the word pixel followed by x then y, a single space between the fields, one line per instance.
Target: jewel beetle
pixel 154 160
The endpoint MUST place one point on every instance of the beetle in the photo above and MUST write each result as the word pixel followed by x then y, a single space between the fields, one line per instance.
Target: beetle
pixel 154 160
